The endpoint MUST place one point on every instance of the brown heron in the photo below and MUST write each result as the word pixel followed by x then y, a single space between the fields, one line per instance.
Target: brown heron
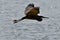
pixel 31 12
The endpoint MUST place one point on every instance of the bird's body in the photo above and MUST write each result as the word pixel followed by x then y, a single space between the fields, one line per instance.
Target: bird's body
pixel 31 12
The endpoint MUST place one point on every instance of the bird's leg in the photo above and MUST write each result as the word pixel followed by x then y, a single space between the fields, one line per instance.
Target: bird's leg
pixel 15 21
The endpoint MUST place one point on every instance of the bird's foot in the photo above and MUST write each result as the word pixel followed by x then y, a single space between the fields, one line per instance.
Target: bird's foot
pixel 15 21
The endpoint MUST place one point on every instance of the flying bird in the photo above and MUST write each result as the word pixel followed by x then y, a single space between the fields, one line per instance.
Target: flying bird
pixel 31 12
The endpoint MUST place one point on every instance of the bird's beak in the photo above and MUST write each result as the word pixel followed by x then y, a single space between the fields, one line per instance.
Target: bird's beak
pixel 45 17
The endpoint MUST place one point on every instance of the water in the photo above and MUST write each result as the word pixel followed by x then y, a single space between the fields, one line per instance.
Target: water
pixel 48 29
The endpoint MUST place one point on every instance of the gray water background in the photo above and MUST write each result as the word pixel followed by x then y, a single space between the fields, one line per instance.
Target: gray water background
pixel 48 29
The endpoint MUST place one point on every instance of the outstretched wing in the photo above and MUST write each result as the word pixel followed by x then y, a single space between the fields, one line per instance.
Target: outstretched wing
pixel 32 11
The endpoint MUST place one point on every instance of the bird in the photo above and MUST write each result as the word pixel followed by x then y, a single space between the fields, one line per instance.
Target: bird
pixel 31 12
